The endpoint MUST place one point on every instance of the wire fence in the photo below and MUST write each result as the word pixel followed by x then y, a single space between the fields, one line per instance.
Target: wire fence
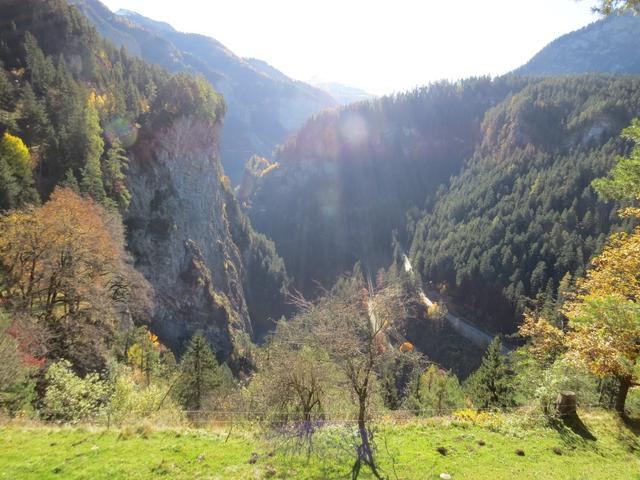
pixel 280 419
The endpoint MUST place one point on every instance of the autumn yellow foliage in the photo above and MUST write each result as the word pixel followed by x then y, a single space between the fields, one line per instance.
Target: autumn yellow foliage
pixel 64 264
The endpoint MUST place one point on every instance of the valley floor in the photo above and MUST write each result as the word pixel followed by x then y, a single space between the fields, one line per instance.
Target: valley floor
pixel 476 448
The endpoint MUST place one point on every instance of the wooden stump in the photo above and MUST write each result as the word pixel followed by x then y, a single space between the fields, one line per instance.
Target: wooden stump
pixel 566 404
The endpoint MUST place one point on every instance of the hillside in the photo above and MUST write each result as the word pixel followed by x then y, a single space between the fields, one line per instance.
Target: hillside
pixel 484 450
pixel 522 213
pixel 344 94
pixel 144 145
pixel 605 46
pixel 264 105
pixel 346 180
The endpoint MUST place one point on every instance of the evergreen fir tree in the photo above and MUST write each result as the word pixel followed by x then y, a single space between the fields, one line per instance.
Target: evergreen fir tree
pixel 92 184
pixel 7 93
pixel 41 69
pixel 33 122
pixel 114 178
pixel 199 373
pixel 69 181
pixel 491 386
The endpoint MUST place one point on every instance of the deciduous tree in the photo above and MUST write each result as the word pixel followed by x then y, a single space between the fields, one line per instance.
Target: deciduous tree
pixel 65 265
pixel 16 179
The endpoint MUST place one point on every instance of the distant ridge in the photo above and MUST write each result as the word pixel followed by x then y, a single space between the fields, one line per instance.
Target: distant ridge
pixel 610 45
pixel 264 105
pixel 344 94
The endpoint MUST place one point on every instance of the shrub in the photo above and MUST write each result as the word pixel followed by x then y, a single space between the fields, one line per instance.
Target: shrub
pixel 133 403
pixel 69 398
pixel 564 375
pixel 434 392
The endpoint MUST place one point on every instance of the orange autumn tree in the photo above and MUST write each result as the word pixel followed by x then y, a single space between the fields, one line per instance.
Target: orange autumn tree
pixel 603 330
pixel 605 315
pixel 64 264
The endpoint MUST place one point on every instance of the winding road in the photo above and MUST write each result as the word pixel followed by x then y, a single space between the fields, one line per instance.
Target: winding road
pixel 465 329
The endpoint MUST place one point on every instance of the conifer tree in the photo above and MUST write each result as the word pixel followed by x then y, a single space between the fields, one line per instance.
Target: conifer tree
pixel 69 181
pixel 41 69
pixel 34 125
pixel 92 184
pixel 491 386
pixel 6 91
pixel 199 373
pixel 114 178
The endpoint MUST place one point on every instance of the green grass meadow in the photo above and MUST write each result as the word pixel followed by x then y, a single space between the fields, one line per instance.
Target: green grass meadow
pixel 487 450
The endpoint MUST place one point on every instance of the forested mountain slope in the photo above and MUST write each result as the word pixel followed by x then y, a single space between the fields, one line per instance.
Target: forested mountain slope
pixel 347 179
pixel 143 144
pixel 522 214
pixel 609 45
pixel 264 105
pixel 519 213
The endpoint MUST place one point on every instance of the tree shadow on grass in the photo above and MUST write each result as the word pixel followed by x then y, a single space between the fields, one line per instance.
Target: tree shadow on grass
pixel 568 426
pixel 632 424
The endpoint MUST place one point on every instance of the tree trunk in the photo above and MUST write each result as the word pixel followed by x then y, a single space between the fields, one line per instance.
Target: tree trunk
pixel 365 450
pixel 621 397
pixel 566 404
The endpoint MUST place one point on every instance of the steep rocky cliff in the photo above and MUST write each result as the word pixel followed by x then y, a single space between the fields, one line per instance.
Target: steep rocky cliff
pixel 177 232
pixel 192 243
pixel 117 128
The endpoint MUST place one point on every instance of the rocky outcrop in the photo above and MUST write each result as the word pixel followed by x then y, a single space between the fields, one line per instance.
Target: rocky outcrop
pixel 180 236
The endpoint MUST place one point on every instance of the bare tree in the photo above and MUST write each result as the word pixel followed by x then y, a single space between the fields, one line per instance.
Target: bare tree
pixel 349 322
pixel 292 384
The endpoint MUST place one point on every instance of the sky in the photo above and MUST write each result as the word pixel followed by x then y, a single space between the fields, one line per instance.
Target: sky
pixel 379 46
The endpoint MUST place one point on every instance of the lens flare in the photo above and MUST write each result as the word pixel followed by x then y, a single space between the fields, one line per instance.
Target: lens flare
pixel 122 131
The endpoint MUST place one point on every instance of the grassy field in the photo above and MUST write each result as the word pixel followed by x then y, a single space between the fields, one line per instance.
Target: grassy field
pixel 484 449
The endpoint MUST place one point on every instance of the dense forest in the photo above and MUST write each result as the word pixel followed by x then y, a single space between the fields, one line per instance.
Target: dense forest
pixel 486 181
pixel 346 180
pixel 522 215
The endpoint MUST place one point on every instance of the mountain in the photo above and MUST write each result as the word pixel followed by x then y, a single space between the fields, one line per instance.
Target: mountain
pixel 522 215
pixel 343 94
pixel 264 105
pixel 487 180
pixel 340 186
pixel 144 144
pixel 606 46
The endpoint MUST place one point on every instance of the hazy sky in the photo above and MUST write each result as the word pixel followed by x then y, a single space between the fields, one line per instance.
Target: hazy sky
pixel 381 46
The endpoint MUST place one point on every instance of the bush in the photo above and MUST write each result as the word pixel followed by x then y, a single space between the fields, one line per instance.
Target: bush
pixel 17 388
pixel 434 392
pixel 134 403
pixel 564 375
pixel 69 398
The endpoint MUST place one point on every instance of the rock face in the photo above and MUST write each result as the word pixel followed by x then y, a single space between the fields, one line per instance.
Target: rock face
pixel 180 236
